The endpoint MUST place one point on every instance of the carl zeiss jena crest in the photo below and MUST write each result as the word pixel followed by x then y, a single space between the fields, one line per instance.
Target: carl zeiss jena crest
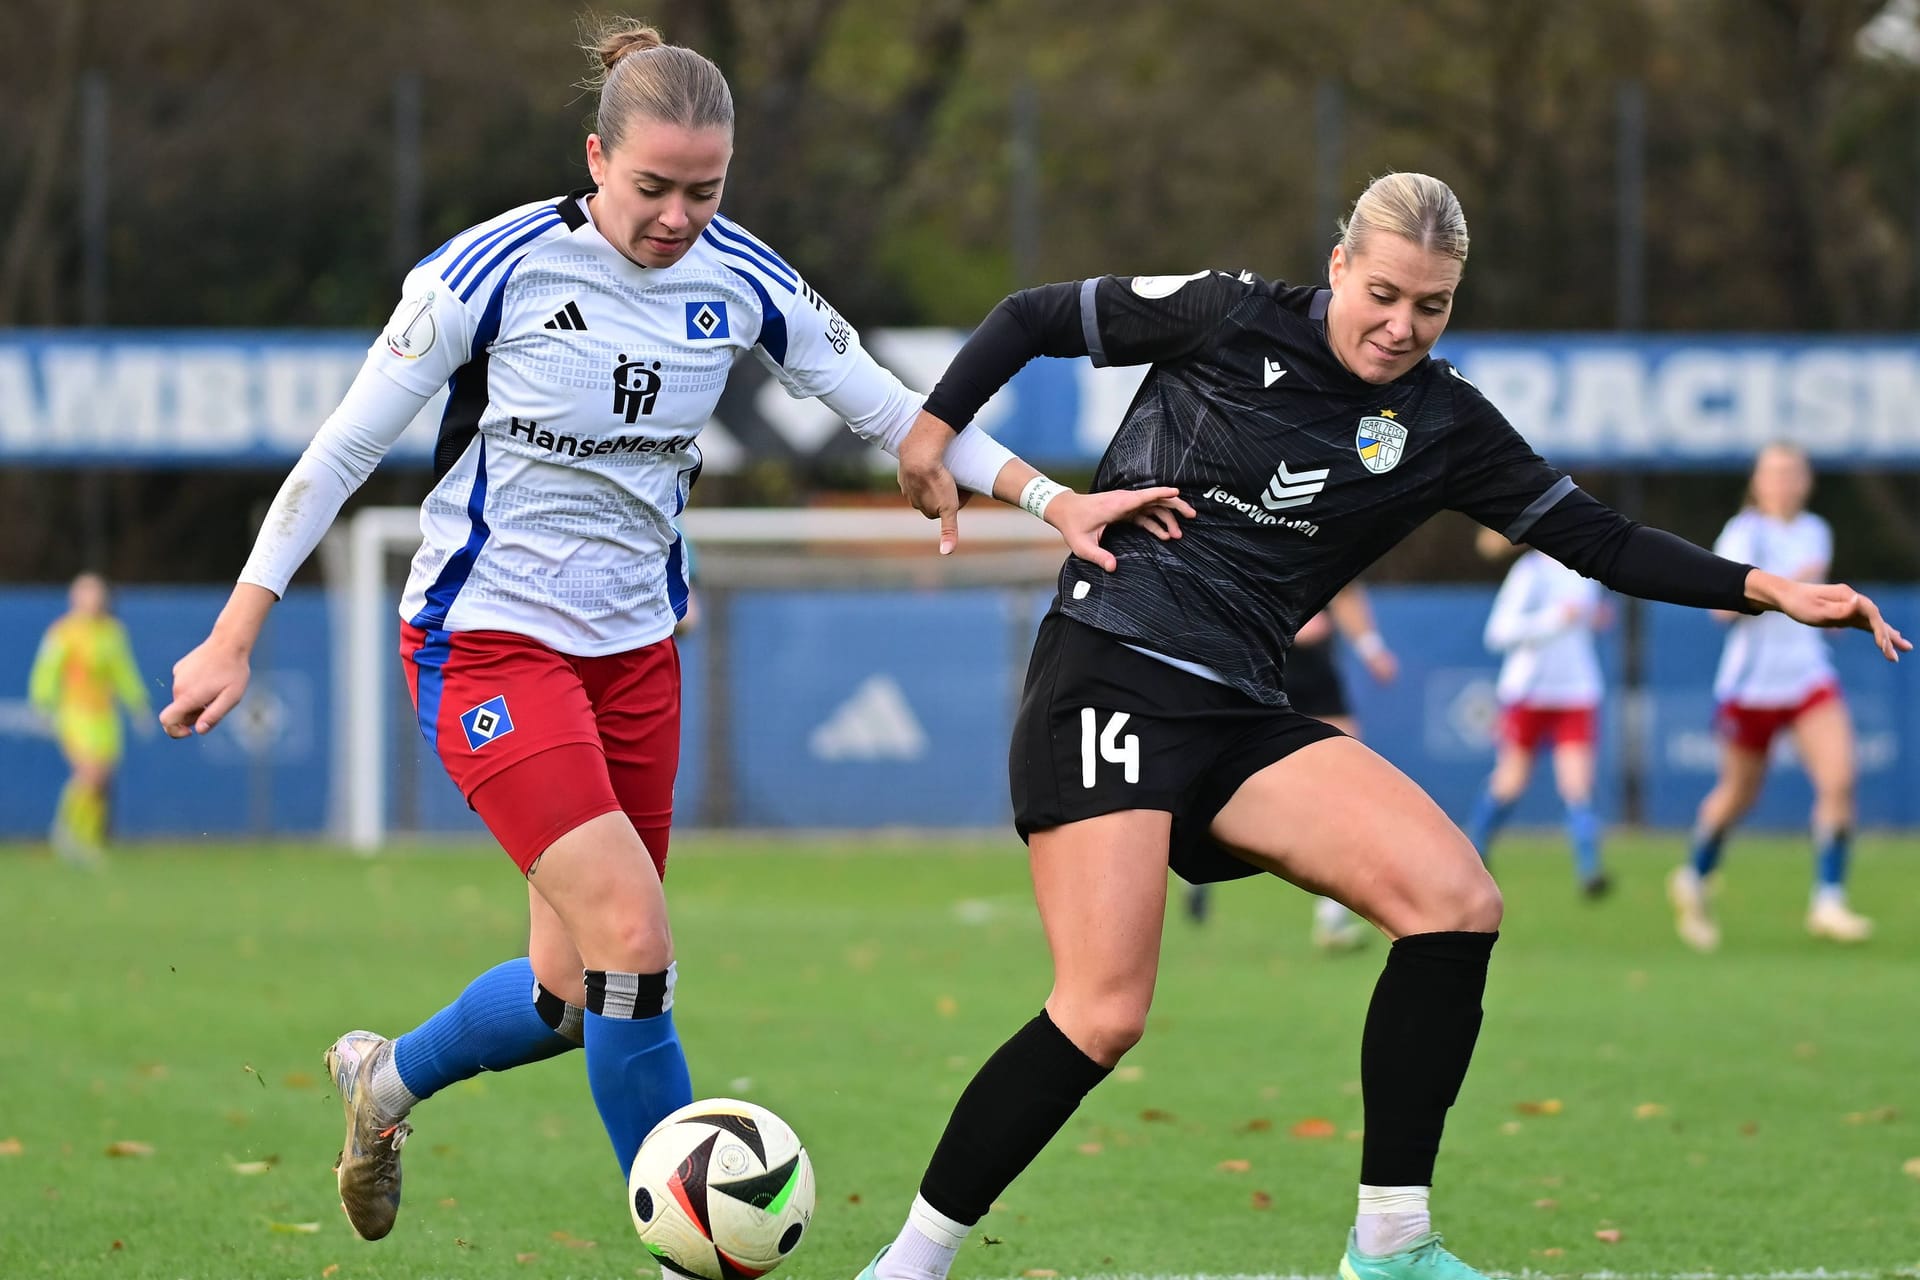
pixel 1380 442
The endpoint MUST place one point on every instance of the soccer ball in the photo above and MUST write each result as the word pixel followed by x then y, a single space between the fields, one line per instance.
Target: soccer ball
pixel 721 1190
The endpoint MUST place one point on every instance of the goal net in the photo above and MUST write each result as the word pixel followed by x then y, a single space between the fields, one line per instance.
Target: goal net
pixel 838 672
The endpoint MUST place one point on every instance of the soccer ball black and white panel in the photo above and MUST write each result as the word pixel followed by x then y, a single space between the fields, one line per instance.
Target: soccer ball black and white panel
pixel 721 1190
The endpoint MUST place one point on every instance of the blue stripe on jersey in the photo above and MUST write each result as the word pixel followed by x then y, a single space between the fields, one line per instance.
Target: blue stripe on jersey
pixel 445 245
pixel 737 234
pixel 741 255
pixel 506 252
pixel 773 325
pixel 677 553
pixel 476 248
pixel 430 667
pixel 459 566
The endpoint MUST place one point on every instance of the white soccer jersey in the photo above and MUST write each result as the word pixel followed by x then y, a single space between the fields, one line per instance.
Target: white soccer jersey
pixel 1771 660
pixel 579 382
pixel 1543 620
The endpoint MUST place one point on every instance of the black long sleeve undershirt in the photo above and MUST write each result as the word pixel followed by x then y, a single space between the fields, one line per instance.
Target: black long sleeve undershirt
pixel 1043 321
pixel 1593 539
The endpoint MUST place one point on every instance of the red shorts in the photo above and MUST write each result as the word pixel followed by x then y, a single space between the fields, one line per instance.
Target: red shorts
pixel 540 742
pixel 1753 728
pixel 1526 727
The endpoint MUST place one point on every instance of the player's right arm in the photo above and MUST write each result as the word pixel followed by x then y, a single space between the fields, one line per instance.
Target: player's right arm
pixel 1513 622
pixel 428 338
pixel 43 681
pixel 1113 320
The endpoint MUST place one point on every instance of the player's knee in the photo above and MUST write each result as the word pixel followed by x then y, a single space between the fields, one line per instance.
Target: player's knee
pixel 1102 1029
pixel 1479 908
pixel 628 942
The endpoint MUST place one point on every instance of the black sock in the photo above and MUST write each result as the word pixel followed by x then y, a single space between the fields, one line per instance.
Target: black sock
pixel 1014 1106
pixel 1414 1052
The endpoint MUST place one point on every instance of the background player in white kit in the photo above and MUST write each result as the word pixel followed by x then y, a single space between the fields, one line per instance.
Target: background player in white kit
pixel 1776 674
pixel 1543 620
pixel 585 342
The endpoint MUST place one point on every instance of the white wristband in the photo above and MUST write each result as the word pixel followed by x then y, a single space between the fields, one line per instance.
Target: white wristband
pixel 1038 493
pixel 1370 645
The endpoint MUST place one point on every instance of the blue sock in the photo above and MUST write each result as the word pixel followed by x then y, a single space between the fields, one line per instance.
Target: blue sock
pixel 1583 830
pixel 1705 854
pixel 1830 858
pixel 635 1066
pixel 1488 816
pixel 494 1025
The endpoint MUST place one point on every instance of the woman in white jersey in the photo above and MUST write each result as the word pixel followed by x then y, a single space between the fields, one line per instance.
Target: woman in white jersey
pixel 1543 620
pixel 584 341
pixel 1776 674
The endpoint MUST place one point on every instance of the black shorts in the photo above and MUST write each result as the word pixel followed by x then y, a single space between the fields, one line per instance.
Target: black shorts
pixel 1313 681
pixel 1103 728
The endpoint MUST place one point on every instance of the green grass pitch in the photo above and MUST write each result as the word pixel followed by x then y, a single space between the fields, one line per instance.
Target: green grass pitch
pixel 1745 1114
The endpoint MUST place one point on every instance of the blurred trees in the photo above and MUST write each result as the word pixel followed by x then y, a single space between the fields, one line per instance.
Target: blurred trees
pixel 251 162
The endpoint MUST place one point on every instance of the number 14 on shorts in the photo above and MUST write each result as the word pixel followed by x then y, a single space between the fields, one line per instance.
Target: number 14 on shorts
pixel 1105 745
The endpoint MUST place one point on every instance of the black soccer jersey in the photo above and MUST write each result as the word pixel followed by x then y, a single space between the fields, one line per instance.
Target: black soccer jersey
pixel 1301 473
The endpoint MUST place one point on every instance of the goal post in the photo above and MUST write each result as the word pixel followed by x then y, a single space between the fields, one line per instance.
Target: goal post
pixel 735 546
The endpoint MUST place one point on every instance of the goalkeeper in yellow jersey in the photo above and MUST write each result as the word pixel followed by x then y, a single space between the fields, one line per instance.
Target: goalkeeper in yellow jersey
pixel 84 665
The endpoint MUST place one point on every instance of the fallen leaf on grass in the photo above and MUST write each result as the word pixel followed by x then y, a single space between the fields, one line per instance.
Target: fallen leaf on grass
pixel 448 1202
pixel 1911 1168
pixel 252 1168
pixel 1314 1127
pixel 1648 1111
pixel 946 1006
pixel 853 1198
pixel 1544 1107
pixel 1546 1203
pixel 1235 1166
pixel 1039 1273
pixel 1511 1127
pixel 297 1080
pixel 1608 1235
pixel 331 1268
pixel 1551 1253
pixel 295 1228
pixel 1750 1128
pixel 127 1148
pixel 1259 1124
pixel 567 1240
pixel 11 1147
pixel 1879 1115
pixel 116 1246
pixel 1154 1115
pixel 1130 1074
pixel 461 1244
pixel 1090 1148
pixel 524 1258
pixel 152 1070
pixel 1262 1200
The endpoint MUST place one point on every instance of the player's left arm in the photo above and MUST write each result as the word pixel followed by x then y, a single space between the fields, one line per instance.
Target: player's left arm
pixel 1495 477
pixel 124 674
pixel 819 353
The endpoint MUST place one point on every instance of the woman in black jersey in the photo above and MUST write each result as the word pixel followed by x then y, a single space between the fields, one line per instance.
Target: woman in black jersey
pixel 1307 431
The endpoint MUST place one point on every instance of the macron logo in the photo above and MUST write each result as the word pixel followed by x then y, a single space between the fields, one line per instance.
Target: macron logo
pixel 1293 488
pixel 1274 372
pixel 874 724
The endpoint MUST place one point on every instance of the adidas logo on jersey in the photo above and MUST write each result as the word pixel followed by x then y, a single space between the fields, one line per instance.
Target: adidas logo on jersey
pixel 876 723
pixel 567 317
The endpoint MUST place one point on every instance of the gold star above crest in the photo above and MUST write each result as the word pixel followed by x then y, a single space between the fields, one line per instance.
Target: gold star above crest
pixel 1388 413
